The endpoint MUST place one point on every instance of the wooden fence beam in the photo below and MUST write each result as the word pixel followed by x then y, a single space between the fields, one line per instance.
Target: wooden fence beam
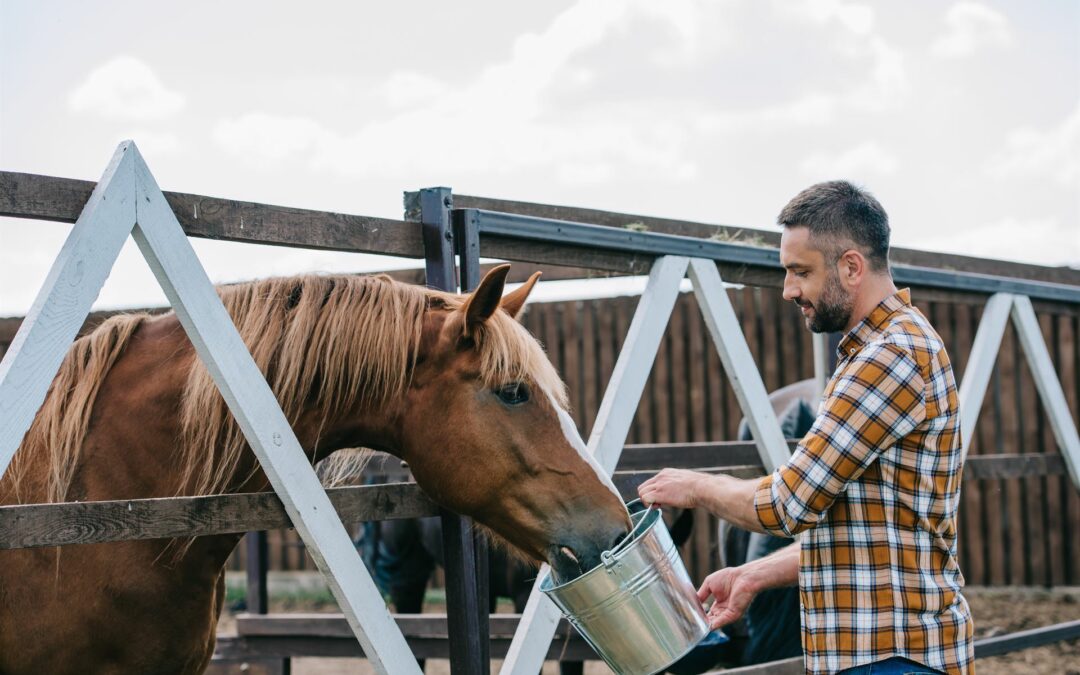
pixel 980 364
pixel 61 199
pixel 200 311
pixel 1048 384
pixel 104 221
pixel 739 365
pixel 31 525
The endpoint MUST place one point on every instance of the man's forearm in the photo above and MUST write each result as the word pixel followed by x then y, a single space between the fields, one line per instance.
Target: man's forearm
pixel 731 499
pixel 778 569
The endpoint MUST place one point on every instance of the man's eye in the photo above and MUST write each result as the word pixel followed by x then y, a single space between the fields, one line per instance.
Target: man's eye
pixel 513 394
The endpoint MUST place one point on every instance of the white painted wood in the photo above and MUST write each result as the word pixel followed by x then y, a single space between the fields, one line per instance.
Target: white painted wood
pixel 616 414
pixel 738 363
pixel 534 633
pixel 820 343
pixel 980 365
pixel 218 344
pixel 1047 383
pixel 61 306
pixel 635 361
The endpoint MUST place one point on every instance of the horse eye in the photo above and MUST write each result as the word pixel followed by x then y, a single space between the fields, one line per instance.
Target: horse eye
pixel 513 394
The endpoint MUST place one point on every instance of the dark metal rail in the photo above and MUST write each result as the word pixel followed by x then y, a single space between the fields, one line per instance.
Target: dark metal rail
pixel 566 233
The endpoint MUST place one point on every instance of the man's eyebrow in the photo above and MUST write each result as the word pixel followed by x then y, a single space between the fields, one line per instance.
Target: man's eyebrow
pixel 795 266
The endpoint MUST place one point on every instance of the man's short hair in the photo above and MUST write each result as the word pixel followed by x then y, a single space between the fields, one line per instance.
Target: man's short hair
pixel 838 214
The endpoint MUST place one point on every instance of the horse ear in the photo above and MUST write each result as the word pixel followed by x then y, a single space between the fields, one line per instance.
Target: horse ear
pixel 483 302
pixel 514 301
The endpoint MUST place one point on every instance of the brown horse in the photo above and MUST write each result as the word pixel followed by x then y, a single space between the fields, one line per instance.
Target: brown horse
pixel 451 384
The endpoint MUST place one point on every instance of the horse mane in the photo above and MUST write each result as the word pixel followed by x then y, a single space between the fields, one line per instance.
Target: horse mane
pixel 61 424
pixel 323 342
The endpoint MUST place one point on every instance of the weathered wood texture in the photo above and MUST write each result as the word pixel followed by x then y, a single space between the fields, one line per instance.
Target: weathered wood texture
pixel 93 522
pixel 98 522
pixel 288 635
pixel 61 199
pixel 30 525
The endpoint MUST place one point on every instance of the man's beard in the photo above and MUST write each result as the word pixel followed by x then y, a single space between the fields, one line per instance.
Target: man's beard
pixel 832 311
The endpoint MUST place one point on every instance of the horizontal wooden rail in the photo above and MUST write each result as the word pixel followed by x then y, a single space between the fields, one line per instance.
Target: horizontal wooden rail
pixel 291 635
pixel 1026 639
pixel 34 525
pixel 232 649
pixel 38 197
pixel 96 522
pixel 25 195
pixel 312 624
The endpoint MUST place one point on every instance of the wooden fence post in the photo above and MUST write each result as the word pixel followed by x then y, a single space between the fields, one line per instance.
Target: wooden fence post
pixel 464 552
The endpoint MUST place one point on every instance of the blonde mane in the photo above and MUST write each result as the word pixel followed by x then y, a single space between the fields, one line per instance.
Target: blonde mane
pixel 60 426
pixel 327 343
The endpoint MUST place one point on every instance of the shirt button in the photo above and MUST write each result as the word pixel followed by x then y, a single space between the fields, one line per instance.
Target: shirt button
pixel 851 351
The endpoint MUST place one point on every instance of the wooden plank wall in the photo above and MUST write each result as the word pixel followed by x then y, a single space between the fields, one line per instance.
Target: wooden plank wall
pixel 1020 531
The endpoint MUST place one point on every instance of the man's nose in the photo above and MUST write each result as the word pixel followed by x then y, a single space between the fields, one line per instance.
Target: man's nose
pixel 791 291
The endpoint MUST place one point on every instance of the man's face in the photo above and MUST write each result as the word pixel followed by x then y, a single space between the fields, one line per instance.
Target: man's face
pixel 812 283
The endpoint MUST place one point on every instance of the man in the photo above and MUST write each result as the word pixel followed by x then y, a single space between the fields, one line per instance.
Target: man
pixel 872 489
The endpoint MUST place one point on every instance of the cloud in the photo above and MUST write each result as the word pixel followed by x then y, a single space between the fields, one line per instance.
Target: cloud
pixel 497 121
pixel 555 104
pixel 856 18
pixel 969 27
pixel 864 159
pixel 405 88
pixel 888 82
pixel 154 143
pixel 1053 154
pixel 125 88
pixel 1019 239
pixel 263 137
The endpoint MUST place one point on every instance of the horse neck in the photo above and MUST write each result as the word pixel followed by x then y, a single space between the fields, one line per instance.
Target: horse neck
pixel 322 433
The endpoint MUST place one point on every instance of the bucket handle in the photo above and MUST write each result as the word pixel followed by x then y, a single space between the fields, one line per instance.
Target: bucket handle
pixel 608 557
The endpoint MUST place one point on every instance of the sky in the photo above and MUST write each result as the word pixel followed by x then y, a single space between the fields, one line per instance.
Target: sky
pixel 963 118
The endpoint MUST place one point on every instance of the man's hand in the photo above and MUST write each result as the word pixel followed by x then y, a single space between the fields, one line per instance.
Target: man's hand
pixel 673 487
pixel 731 592
pixel 732 588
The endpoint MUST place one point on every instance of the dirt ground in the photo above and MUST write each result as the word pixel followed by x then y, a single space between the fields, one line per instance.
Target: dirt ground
pixel 996 612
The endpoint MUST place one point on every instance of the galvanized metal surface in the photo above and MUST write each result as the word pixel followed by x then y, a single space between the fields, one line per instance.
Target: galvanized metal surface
pixel 638 609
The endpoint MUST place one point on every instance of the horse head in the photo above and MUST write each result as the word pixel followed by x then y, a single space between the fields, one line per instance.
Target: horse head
pixel 485 431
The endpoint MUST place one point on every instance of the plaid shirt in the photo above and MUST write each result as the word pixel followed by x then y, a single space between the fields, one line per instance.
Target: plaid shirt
pixel 875 485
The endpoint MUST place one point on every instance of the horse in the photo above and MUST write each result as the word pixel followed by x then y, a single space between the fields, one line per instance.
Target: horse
pixel 451 384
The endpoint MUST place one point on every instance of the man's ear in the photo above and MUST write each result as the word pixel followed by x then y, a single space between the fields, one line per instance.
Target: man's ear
pixel 514 301
pixel 852 267
pixel 483 302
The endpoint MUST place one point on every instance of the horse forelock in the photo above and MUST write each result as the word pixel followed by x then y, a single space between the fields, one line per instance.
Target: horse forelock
pixel 509 353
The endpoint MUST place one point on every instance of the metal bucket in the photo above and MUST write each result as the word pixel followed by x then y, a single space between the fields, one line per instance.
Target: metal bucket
pixel 638 609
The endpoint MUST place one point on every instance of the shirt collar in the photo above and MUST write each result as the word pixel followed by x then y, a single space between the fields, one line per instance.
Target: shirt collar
pixel 873 323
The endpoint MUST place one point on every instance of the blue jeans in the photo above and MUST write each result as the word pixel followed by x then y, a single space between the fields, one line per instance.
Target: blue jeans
pixel 894 665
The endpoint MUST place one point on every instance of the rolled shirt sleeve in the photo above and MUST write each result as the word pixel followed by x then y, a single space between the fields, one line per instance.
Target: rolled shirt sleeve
pixel 877 398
